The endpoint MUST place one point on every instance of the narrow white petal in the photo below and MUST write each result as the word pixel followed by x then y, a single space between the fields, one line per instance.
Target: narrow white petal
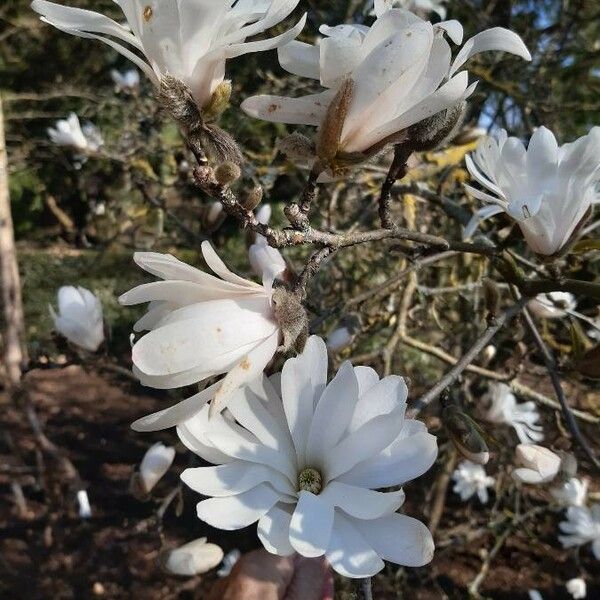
pixel 216 265
pixel 274 530
pixel 300 59
pixel 360 502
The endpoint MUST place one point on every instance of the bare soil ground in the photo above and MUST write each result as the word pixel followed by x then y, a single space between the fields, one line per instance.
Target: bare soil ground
pixel 48 552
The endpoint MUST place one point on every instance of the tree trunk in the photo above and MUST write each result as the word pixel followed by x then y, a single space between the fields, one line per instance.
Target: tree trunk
pixel 14 334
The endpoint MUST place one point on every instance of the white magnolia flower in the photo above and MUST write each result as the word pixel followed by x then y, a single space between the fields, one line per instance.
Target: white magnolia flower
pixel 470 479
pixel 582 527
pixel 69 132
pixel 547 189
pixel 156 462
pixel 193 558
pixel 577 588
pixel 539 465
pixel 572 492
pixel 303 458
pixel 79 317
pixel 522 417
pixel 265 260
pixel 419 6
pixel 190 40
pixel 552 305
pixel 200 326
pixel 401 73
pixel 129 81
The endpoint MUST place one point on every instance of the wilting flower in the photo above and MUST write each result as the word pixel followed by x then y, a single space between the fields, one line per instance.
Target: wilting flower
pixel 582 527
pixel 552 305
pixel 129 81
pixel 522 417
pixel 69 132
pixel 156 462
pixel 572 492
pixel 547 189
pixel 201 325
pixel 418 6
pixel 577 588
pixel 79 317
pixel 470 479
pixel 304 462
pixel 539 465
pixel 190 41
pixel 380 81
pixel 193 558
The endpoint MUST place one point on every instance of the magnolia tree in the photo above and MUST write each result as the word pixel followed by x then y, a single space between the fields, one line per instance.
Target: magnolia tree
pixel 317 456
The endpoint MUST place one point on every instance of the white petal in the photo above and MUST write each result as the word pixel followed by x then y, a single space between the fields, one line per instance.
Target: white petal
pixel 366 377
pixel 362 503
pixel 310 527
pixel 332 414
pixel 233 478
pixel 300 59
pixel 274 530
pixel 399 539
pixel 306 110
pixel 193 558
pixel 481 215
pixel 454 30
pixel 216 265
pixel 364 443
pixel 496 38
pixel 155 464
pixel 303 380
pixel 349 553
pixel 237 512
pixel 250 367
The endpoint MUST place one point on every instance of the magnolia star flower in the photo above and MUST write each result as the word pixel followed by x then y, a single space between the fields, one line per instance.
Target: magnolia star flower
pixel 522 417
pixel 69 132
pixel 540 465
pixel 129 81
pixel 200 326
pixel 79 317
pixel 379 80
pixel 303 458
pixel 572 492
pixel 189 40
pixel 191 559
pixel 156 462
pixel 577 588
pixel 470 479
pixel 547 189
pixel 582 527
pixel 552 305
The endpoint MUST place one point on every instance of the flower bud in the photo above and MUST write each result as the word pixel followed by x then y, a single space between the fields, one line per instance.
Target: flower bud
pixel 465 435
pixel 193 558
pixel 491 295
pixel 254 198
pixel 227 173
pixel 330 132
pixel 292 319
pixel 540 465
pixel 297 147
pixel 218 102
pixel 431 133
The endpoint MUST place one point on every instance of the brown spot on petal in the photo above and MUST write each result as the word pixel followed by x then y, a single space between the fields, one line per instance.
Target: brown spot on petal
pixel 245 364
pixel 148 13
pixel 272 108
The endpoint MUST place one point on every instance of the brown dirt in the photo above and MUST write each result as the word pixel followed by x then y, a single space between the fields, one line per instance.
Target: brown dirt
pixel 50 553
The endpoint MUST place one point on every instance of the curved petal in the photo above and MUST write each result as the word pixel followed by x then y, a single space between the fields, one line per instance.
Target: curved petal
pixel 237 512
pixel 362 503
pixel 274 530
pixel 399 539
pixel 216 265
pixel 300 59
pixel 349 552
pixel 234 478
pixel 366 377
pixel 310 527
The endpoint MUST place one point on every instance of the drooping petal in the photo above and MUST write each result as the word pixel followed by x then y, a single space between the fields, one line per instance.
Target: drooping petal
pixel 237 512
pixel 311 524
pixel 300 59
pixel 399 539
pixel 274 530
pixel 349 553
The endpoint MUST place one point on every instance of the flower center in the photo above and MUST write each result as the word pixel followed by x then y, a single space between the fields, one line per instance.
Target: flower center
pixel 310 480
pixel 148 12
